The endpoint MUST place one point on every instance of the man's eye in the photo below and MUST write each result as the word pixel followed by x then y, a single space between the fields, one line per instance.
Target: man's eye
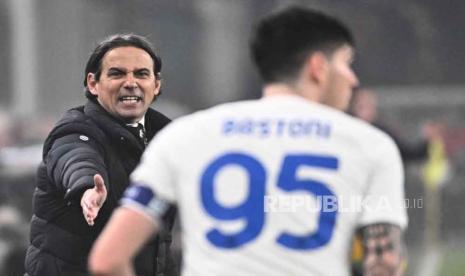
pixel 115 73
pixel 143 74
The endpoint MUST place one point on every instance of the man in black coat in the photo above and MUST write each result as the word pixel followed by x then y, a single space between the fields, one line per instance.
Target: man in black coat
pixel 87 159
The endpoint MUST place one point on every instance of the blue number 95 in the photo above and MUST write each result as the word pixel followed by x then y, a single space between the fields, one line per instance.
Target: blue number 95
pixel 251 210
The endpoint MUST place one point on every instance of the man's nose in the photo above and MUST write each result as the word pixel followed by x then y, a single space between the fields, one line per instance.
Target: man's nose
pixel 130 81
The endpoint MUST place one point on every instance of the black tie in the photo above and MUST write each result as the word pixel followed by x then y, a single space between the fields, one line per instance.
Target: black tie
pixel 141 134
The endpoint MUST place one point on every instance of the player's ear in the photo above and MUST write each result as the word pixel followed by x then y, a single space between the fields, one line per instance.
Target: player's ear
pixel 317 68
pixel 92 84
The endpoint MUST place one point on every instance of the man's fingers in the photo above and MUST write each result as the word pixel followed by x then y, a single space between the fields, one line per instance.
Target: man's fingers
pixel 90 214
pixel 100 189
pixel 89 210
pixel 90 221
pixel 93 199
pixel 87 215
pixel 99 183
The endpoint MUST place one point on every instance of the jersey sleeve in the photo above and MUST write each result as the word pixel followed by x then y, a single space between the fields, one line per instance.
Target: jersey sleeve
pixel 153 183
pixel 157 167
pixel 384 199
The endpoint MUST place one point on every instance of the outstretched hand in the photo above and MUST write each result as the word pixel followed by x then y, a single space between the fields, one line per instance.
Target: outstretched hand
pixel 92 199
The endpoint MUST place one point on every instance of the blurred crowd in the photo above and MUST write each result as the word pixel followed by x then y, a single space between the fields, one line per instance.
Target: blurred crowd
pixel 20 153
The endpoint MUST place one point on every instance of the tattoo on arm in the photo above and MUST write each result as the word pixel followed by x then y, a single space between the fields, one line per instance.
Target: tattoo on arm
pixel 384 250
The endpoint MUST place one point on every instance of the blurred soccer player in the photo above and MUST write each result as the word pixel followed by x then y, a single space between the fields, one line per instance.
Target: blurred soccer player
pixel 247 176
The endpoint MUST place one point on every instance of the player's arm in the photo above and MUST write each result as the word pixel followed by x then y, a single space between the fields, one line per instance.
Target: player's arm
pixel 123 236
pixel 383 250
pixel 381 229
pixel 130 226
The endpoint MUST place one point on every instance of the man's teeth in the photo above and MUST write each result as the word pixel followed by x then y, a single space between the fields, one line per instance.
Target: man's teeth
pixel 130 99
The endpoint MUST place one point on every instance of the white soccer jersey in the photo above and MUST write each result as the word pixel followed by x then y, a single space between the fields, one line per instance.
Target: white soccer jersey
pixel 275 186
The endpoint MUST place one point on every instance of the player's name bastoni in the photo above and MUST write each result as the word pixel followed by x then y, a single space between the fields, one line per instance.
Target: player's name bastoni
pixel 264 128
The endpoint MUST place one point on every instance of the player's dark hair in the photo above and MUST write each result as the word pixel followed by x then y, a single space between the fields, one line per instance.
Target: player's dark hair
pixel 94 64
pixel 283 41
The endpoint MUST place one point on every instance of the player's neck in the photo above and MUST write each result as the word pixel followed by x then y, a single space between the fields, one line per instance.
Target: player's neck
pixel 281 89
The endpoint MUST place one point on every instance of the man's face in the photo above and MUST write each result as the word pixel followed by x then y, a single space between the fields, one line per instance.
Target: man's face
pixel 127 84
pixel 341 79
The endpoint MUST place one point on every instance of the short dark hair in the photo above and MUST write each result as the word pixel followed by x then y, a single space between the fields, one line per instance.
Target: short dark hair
pixel 94 63
pixel 283 41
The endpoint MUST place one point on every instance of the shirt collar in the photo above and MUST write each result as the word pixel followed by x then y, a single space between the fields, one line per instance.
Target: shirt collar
pixel 142 122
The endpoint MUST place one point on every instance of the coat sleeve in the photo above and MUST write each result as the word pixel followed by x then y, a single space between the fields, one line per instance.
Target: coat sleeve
pixel 72 161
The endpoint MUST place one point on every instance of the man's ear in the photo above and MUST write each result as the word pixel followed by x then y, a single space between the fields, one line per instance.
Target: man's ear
pixel 317 68
pixel 92 84
pixel 157 86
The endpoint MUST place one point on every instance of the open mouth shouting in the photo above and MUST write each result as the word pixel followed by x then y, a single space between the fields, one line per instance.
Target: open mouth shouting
pixel 130 99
